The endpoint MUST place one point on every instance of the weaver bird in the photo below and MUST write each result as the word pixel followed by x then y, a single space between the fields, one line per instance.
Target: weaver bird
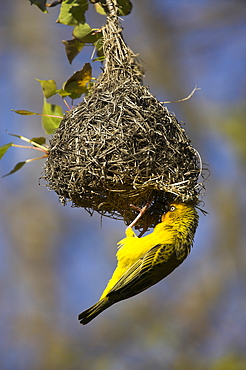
pixel 143 262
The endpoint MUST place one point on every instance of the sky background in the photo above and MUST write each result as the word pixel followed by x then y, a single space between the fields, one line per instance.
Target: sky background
pixel 55 260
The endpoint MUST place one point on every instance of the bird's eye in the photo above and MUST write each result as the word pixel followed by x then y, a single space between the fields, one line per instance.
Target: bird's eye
pixel 172 208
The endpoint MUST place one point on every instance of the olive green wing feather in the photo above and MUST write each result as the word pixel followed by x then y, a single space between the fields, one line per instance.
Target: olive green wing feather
pixel 157 263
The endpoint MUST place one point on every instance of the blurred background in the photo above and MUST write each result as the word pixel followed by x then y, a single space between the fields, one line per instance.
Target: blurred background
pixel 55 261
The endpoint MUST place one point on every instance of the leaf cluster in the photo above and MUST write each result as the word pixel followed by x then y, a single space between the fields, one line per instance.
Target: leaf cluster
pixel 37 143
pixel 52 114
pixel 72 13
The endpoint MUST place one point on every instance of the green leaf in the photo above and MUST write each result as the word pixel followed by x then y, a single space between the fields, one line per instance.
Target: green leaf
pixel 99 59
pixel 20 137
pixel 99 46
pixel 50 124
pixel 73 47
pixel 72 12
pixel 125 7
pixel 76 84
pixel 81 30
pixel 48 86
pixel 4 148
pixel 41 4
pixel 17 167
pixel 63 93
pixel 39 140
pixel 99 9
pixel 24 112
pixel 86 34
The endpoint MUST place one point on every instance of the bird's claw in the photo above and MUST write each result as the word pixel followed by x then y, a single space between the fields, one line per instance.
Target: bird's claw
pixel 140 214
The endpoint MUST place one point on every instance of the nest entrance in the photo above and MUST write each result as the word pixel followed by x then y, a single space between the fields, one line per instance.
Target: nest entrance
pixel 121 146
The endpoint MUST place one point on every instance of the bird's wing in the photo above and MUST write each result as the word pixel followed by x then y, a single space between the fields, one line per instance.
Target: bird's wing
pixel 157 263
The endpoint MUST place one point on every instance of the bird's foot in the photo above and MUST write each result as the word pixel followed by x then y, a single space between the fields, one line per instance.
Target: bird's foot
pixel 140 214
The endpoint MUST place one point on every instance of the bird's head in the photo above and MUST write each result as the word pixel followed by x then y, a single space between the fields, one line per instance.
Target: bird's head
pixel 181 214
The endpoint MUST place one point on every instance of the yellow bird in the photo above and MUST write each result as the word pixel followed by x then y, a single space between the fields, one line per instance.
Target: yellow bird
pixel 143 262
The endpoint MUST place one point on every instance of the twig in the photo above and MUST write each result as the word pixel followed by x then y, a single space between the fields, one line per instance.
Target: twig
pixel 184 99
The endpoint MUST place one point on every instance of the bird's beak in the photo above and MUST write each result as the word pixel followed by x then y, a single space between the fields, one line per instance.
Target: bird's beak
pixel 164 215
pixel 166 209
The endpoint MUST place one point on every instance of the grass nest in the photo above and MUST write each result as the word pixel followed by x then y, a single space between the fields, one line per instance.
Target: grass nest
pixel 121 146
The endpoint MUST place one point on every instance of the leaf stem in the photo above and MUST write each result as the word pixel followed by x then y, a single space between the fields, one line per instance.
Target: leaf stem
pixel 30 147
pixel 34 159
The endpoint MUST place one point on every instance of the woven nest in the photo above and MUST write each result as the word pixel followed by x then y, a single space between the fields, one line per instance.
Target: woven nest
pixel 121 146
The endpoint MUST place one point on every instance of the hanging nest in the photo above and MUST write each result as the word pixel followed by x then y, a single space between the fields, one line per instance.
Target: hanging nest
pixel 121 146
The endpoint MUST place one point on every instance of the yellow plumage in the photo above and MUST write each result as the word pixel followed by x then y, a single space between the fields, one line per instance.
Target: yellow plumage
pixel 142 262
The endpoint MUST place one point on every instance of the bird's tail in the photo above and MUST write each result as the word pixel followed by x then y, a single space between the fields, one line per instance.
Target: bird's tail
pixel 93 311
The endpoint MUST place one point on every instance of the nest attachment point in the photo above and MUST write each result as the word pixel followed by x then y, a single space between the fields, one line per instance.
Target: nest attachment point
pixel 121 146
